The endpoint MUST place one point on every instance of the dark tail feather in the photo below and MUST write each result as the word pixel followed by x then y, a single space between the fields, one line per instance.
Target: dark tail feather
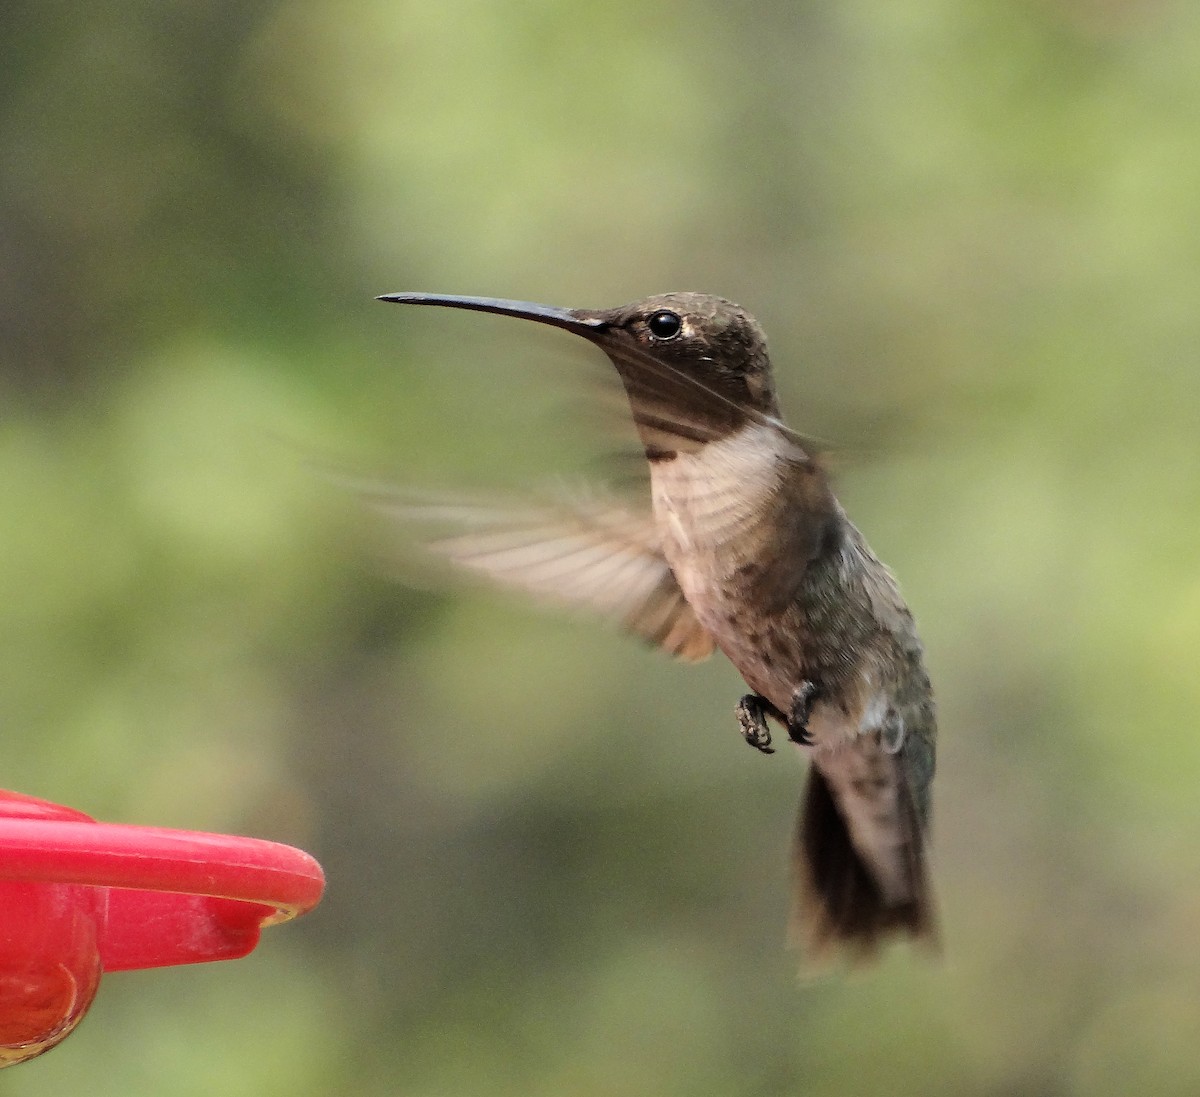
pixel 840 911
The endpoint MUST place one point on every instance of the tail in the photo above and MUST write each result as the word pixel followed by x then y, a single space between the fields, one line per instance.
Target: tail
pixel 841 909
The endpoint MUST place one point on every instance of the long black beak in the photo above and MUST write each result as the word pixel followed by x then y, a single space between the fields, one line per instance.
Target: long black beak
pixel 580 322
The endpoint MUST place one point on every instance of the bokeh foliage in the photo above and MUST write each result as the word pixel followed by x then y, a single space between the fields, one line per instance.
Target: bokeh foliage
pixel 973 233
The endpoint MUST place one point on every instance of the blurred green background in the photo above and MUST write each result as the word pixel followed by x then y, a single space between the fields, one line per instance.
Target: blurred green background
pixel 973 234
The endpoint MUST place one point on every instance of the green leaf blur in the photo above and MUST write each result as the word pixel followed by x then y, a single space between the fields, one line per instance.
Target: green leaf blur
pixel 973 234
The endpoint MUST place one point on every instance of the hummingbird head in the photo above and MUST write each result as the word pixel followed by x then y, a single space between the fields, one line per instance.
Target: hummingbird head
pixel 694 366
pixel 713 342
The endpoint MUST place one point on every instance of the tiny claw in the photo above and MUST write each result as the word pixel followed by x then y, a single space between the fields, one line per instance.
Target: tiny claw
pixel 802 701
pixel 752 719
pixel 763 745
pixel 801 735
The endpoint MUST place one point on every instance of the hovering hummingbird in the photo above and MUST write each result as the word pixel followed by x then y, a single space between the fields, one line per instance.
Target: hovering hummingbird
pixel 745 548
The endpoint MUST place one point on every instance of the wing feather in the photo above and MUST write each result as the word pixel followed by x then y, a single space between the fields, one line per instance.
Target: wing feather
pixel 587 552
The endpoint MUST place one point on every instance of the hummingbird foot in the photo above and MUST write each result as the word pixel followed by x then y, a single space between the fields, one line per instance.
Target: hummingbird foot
pixel 803 697
pixel 752 718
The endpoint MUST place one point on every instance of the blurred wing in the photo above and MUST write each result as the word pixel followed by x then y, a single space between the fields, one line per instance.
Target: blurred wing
pixel 587 553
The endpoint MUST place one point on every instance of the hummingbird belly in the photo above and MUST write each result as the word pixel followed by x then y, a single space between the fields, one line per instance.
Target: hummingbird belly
pixel 714 512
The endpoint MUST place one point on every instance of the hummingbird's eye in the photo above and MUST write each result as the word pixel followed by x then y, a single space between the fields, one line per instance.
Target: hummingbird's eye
pixel 664 325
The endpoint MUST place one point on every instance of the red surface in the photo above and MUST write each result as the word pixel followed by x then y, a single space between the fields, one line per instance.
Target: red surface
pixel 49 964
pixel 79 897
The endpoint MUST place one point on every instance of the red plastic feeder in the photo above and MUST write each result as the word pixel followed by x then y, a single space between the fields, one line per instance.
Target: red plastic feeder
pixel 78 898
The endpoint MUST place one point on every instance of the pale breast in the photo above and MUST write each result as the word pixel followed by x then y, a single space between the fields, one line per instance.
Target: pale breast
pixel 707 503
pixel 714 510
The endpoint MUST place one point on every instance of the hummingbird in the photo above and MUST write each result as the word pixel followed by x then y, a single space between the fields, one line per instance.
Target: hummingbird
pixel 742 547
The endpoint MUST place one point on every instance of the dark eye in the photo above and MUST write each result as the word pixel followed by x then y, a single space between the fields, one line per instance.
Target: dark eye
pixel 665 325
